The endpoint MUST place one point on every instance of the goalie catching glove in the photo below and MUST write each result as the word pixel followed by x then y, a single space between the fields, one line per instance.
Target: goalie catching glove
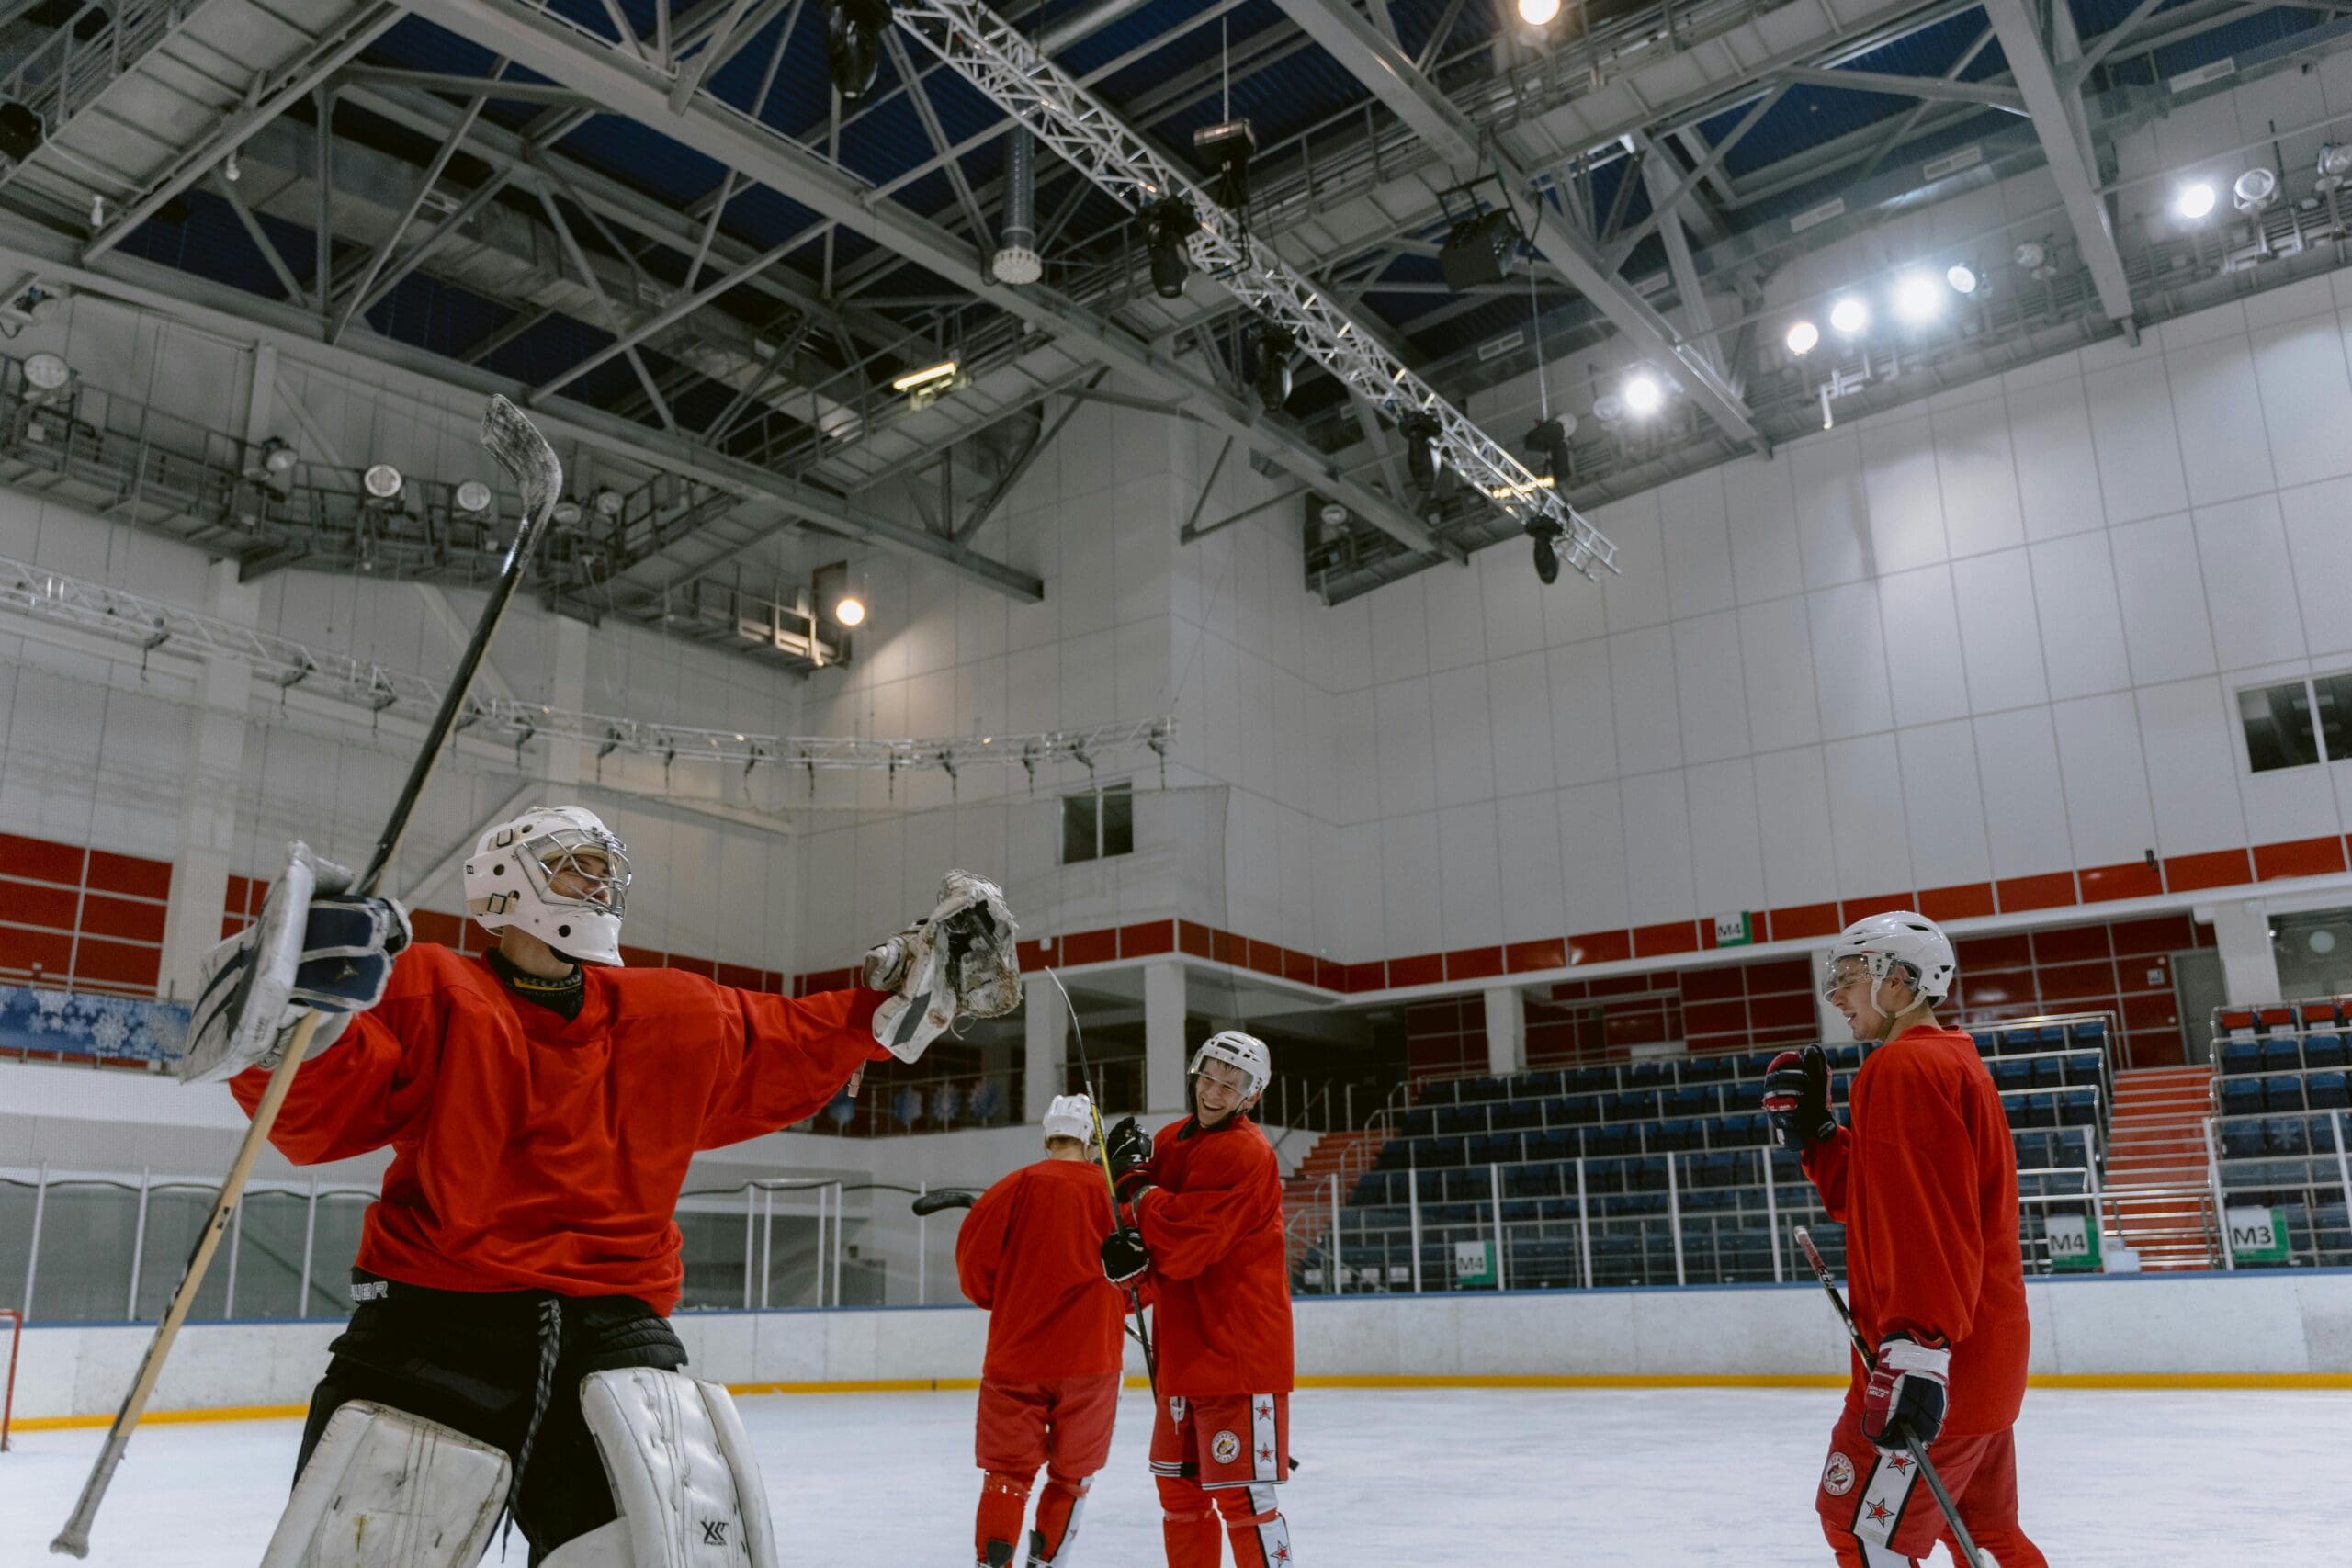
pixel 317 948
pixel 957 962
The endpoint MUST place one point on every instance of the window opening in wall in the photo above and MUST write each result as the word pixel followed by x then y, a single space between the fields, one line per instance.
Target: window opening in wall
pixel 2295 723
pixel 1097 824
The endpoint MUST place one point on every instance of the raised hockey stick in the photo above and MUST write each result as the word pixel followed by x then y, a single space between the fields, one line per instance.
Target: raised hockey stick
pixel 1970 1556
pixel 531 463
pixel 1110 1182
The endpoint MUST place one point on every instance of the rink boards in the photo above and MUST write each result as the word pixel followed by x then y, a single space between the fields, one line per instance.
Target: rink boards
pixel 2271 1329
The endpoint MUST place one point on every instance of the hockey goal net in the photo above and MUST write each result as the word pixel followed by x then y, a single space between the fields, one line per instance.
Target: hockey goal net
pixel 11 1325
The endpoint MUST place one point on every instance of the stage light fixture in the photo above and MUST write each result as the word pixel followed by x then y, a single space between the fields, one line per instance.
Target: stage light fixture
pixel 473 498
pixel 1802 337
pixel 854 30
pixel 1538 13
pixel 1961 277
pixel 1479 250
pixel 1422 460
pixel 2335 167
pixel 47 372
pixel 1276 349
pixel 850 610
pixel 1546 534
pixel 930 376
pixel 2253 191
pixel 1549 443
pixel 277 459
pixel 1918 299
pixel 1229 146
pixel 1173 224
pixel 1850 316
pixel 1645 395
pixel 2193 200
pixel 566 514
pixel 383 480
pixel 20 131
pixel 606 502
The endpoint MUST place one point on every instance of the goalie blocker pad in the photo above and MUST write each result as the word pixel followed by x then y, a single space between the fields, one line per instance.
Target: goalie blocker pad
pixel 683 1477
pixel 385 1489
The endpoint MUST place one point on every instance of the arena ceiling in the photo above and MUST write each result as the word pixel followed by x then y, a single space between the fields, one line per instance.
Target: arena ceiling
pixel 661 223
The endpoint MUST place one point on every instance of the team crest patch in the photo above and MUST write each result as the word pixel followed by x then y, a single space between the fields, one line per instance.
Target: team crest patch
pixel 1837 1476
pixel 1225 1448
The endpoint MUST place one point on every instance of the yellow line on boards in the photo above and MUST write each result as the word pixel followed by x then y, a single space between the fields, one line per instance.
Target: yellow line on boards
pixel 2144 1380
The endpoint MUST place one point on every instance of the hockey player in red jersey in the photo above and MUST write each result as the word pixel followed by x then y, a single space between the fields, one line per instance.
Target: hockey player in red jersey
pixel 1205 1209
pixel 1030 1251
pixel 1925 1181
pixel 541 1103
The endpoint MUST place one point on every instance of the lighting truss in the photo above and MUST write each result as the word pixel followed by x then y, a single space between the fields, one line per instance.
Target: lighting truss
pixel 154 624
pixel 986 50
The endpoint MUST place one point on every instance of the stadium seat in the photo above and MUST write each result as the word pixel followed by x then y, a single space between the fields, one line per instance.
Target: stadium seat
pixel 2009 1074
pixel 2283 1091
pixel 2240 1140
pixel 2241 1056
pixel 2285 1135
pixel 2078 1107
pixel 2326 1091
pixel 2282 1054
pixel 2048 1072
pixel 2325 1048
pixel 2242 1097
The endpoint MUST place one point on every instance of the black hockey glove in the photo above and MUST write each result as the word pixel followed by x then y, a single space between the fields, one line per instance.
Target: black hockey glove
pixel 1127 1148
pixel 1796 1098
pixel 1906 1398
pixel 1125 1257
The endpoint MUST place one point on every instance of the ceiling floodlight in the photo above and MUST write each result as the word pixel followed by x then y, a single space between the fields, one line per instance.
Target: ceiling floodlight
pixel 566 513
pixel 2193 200
pixel 1849 315
pixel 1919 297
pixel 943 371
pixel 47 372
pixel 383 480
pixel 473 496
pixel 1961 277
pixel 1538 13
pixel 2335 167
pixel 1644 395
pixel 2253 191
pixel 1803 336
pixel 606 502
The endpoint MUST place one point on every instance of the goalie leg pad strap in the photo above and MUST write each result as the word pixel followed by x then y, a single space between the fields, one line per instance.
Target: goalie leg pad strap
pixel 384 1489
pixel 682 1475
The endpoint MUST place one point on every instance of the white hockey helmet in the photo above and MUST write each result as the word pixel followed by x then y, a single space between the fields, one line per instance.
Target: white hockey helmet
pixel 1898 937
pixel 1071 1116
pixel 1236 1049
pixel 510 881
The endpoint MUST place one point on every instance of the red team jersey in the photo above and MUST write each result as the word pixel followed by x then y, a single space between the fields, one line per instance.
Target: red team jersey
pixel 533 1153
pixel 1214 1228
pixel 1051 1313
pixel 1925 1184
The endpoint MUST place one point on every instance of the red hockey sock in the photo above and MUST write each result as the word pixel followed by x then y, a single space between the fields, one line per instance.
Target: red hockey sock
pixel 1057 1516
pixel 1003 1499
pixel 1260 1534
pixel 1189 1524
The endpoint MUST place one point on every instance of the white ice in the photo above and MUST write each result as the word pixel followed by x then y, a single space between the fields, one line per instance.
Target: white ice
pixel 1428 1478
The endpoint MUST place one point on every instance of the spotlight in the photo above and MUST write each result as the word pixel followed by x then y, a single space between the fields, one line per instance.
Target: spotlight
pixel 1918 299
pixel 231 169
pixel 837 595
pixel 1546 534
pixel 1423 458
pixel 929 377
pixel 473 497
pixel 606 502
pixel 849 609
pixel 1228 145
pixel 1609 408
pixel 1276 348
pixel 1479 250
pixel 2029 255
pixel 1173 224
pixel 854 30
pixel 2193 200
pixel 45 374
pixel 274 459
pixel 2253 191
pixel 1803 336
pixel 1644 395
pixel 566 514
pixel 20 131
pixel 382 479
pixel 1848 316
pixel 1539 14
pixel 2335 167
pixel 1961 277
pixel 1549 443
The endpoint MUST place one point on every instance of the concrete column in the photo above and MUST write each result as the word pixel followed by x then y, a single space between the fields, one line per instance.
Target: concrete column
pixel 1506 1031
pixel 1165 1049
pixel 1045 1025
pixel 2249 963
pixel 216 762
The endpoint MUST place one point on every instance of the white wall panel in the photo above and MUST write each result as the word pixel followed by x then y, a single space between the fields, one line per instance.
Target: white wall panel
pixel 2162 593
pixel 2214 396
pixel 2050 432
pixel 1454 605
pixel 1463 735
pixel 1708 688
pixel 1726 837
pixel 2250 582
pixel 1943 805
pixel 2025 801
pixel 1926 675
pixel 1792 814
pixel 1513 611
pixel 1584 726
pixel 1470 876
pixel 2136 442
pixel 2108 813
pixel 1402 729
pixel 2000 635
pixel 1593 855
pixel 1697 543
pixel 1534 905
pixel 1767 562
pixel 1907 509
pixel 1635 595
pixel 1519 696
pixel 1870 838
pixel 1642 693
pixel 2082 627
pixel 1849 661
pixel 1400 635
pixel 1658 880
pixel 2306 398
pixel 1833 511
pixel 1979 478
pixel 2193 766
pixel 1410 873
pixel 2320 546
pixel 1776 669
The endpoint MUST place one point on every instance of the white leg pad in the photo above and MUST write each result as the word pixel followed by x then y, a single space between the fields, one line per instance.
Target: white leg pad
pixel 683 1476
pixel 385 1489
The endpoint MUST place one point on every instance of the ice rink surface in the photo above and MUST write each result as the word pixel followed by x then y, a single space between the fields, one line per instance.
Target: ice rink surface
pixel 1427 1477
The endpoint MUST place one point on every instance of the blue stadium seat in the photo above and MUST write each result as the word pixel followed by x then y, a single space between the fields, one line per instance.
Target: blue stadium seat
pixel 2011 1075
pixel 2282 1054
pixel 1444 1092
pixel 1443 1151
pixel 1419 1121
pixel 1459 1121
pixel 2327 1091
pixel 1604 1176
pixel 2325 1048
pixel 1531 1181
pixel 1709 1069
pixel 2090 1031
pixel 2078 1107
pixel 1988 1043
pixel 1634 1105
pixel 2048 1072
pixel 1845 1058
pixel 2283 1091
pixel 1609 1141
pixel 1646 1174
pixel 2241 1056
pixel 1467 1185
pixel 1644 1075
pixel 1745 1096
pixel 2242 1097
pixel 2285 1135
pixel 2240 1140
pixel 1591 1080
pixel 2082 1066
pixel 1690 1102
pixel 1678 1135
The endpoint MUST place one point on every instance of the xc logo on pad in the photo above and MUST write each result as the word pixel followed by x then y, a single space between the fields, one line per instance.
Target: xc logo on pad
pixel 714 1532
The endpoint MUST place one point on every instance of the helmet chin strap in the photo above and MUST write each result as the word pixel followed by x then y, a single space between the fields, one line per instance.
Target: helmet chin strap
pixel 1893 1023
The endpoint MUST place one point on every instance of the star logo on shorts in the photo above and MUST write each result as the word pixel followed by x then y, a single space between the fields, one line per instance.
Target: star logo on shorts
pixel 1265 1455
pixel 1901 1464
pixel 1880 1513
pixel 1282 1554
pixel 1265 1412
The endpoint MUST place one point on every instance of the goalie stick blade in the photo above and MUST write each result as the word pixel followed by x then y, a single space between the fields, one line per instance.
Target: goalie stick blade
pixel 945 1197
pixel 518 449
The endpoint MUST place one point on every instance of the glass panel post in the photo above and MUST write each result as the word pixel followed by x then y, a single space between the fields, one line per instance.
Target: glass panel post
pixel 32 1252
pixel 138 1245
pixel 1674 1218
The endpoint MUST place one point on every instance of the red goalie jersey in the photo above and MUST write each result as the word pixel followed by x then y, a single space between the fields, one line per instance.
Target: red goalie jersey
pixel 531 1152
pixel 1214 1222
pixel 1925 1183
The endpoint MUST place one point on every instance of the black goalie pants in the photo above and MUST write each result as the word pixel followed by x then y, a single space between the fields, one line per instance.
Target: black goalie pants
pixel 505 1367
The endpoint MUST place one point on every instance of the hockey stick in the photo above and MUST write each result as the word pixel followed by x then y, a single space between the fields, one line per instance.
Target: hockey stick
pixel 1110 1182
pixel 945 1198
pixel 1970 1556
pixel 531 463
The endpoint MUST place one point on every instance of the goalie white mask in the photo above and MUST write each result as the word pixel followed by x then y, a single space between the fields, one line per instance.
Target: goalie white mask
pixel 558 872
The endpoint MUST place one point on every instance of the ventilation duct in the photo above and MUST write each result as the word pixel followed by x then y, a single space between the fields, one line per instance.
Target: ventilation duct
pixel 1017 260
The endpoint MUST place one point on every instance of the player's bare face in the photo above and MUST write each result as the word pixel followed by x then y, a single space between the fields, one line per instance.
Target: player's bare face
pixel 1219 1090
pixel 1851 995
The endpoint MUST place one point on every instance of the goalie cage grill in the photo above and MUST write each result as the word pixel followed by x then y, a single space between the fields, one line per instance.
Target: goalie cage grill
pixel 14 1322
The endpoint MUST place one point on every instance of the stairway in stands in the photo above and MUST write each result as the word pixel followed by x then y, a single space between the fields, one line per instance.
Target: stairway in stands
pixel 2156 1183
pixel 1308 1191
